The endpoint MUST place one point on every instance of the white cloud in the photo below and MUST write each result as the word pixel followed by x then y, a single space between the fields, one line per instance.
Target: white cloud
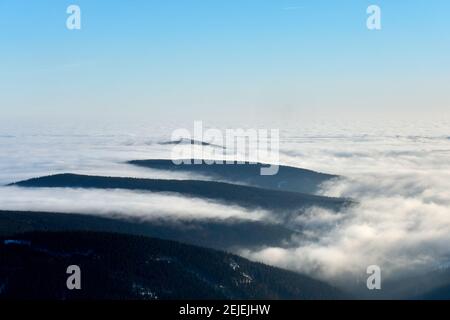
pixel 145 205
pixel 402 220
pixel 399 173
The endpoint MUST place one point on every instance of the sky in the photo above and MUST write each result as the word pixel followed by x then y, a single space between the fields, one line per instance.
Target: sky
pixel 275 60
pixel 248 59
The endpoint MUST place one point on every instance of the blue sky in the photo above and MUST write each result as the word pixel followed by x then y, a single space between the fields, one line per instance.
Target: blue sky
pixel 225 58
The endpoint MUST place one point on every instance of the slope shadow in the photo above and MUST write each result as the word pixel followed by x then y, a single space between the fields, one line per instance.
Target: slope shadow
pixel 226 235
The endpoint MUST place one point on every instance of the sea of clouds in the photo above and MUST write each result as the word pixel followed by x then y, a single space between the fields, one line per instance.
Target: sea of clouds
pixel 399 174
pixel 400 177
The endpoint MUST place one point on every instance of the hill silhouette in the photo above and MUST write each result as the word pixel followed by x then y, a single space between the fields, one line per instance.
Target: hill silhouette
pixel 224 234
pixel 287 179
pixel 117 266
pixel 245 196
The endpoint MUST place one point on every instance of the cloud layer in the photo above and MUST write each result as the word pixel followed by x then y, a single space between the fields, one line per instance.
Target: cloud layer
pixel 148 206
pixel 398 173
pixel 402 220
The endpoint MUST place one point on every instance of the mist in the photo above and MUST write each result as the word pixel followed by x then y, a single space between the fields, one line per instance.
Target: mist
pixel 398 174
pixel 144 205
pixel 401 221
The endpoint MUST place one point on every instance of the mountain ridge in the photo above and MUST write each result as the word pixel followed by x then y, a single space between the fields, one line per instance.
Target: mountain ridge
pixel 127 267
pixel 245 196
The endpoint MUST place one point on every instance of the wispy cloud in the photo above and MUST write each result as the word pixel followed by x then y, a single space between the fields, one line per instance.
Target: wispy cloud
pixel 145 205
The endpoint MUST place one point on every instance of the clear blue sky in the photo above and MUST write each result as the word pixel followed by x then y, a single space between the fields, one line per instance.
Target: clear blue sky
pixel 224 58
